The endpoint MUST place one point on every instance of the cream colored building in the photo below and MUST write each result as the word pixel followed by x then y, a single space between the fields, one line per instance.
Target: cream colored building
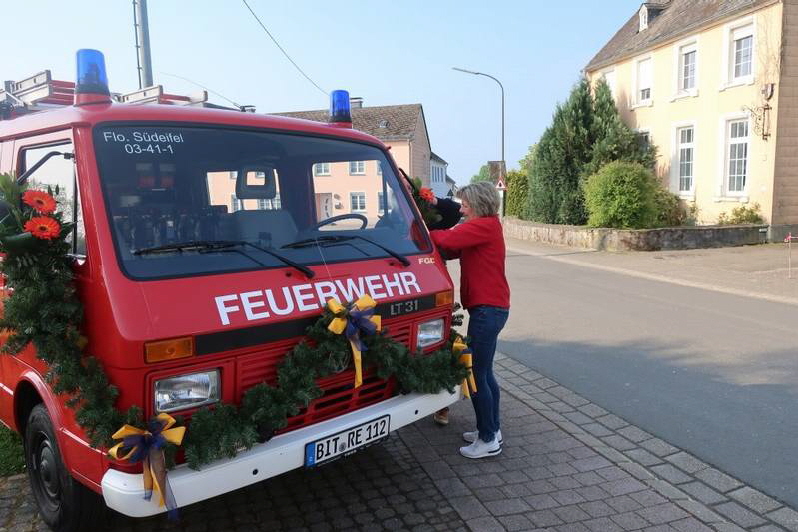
pixel 714 85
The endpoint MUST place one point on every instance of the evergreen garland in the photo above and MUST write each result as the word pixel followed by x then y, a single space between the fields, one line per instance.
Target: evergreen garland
pixel 44 310
pixel 219 432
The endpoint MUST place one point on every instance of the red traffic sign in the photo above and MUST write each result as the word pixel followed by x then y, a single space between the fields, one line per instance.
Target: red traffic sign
pixel 500 184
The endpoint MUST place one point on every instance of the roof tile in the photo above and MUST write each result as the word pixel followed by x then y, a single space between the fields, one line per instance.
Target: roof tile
pixel 386 122
pixel 679 17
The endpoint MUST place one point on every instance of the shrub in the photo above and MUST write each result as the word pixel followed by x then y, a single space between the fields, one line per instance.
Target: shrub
pixel 742 215
pixel 621 195
pixel 691 214
pixel 670 210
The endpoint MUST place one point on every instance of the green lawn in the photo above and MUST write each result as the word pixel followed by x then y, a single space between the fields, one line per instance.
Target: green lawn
pixel 11 459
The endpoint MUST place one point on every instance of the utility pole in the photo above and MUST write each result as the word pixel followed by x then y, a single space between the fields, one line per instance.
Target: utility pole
pixel 143 60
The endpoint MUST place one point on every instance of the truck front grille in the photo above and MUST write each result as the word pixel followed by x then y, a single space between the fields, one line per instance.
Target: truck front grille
pixel 338 392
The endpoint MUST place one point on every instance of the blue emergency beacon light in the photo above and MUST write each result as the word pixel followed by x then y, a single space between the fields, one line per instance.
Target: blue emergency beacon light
pixel 339 108
pixel 92 78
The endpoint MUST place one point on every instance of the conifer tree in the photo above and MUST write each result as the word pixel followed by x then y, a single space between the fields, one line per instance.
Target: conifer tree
pixel 563 151
pixel 614 140
pixel 586 133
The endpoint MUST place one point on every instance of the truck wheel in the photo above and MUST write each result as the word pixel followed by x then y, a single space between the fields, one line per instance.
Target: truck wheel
pixel 64 504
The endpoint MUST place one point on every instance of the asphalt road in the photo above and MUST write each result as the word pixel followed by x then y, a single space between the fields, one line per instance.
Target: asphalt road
pixel 713 373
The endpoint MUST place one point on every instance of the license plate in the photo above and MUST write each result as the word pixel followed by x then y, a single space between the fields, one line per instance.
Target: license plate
pixel 347 442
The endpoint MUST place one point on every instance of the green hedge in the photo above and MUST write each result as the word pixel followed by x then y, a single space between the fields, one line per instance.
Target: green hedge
pixel 517 189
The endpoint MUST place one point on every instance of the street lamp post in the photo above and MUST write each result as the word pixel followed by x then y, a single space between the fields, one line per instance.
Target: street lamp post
pixel 502 89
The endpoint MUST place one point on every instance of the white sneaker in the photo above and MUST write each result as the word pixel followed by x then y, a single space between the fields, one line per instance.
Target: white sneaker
pixel 472 436
pixel 480 449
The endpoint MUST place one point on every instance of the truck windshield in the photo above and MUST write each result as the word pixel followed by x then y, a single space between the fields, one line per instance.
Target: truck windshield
pixel 180 198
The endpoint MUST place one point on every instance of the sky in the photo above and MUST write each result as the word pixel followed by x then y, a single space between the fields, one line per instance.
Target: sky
pixel 388 53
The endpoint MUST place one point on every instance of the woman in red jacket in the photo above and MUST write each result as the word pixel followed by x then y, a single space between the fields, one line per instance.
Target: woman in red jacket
pixel 484 292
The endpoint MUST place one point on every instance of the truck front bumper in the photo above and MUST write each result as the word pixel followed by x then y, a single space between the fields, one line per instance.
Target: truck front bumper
pixel 124 492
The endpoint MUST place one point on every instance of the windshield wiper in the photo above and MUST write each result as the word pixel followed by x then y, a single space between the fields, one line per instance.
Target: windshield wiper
pixel 207 246
pixel 188 245
pixel 344 238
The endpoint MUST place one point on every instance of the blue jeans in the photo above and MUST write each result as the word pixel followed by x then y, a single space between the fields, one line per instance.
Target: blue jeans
pixel 484 325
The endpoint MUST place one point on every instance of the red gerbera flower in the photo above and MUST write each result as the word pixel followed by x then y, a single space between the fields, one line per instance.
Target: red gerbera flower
pixel 39 200
pixel 43 227
pixel 426 194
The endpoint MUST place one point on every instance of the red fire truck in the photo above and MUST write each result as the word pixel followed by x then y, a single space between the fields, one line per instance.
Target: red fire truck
pixel 180 321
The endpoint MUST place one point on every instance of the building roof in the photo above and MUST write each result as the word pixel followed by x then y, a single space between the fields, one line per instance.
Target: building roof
pixel 386 122
pixel 435 157
pixel 677 18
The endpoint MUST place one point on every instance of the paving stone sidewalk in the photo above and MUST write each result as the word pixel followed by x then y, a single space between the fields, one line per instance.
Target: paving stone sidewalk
pixel 587 469
pixel 567 465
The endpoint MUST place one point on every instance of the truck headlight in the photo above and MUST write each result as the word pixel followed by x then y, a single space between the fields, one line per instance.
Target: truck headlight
pixel 429 332
pixel 186 391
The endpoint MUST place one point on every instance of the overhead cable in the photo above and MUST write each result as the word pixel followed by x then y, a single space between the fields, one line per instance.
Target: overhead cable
pixel 281 48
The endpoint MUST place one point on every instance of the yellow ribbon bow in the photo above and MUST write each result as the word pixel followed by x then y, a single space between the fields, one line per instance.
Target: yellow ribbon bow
pixel 359 317
pixel 469 385
pixel 147 446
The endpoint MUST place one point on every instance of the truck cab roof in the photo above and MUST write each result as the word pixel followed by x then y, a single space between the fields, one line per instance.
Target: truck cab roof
pixel 90 115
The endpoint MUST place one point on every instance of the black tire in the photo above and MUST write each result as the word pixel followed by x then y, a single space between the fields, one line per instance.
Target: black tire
pixel 64 504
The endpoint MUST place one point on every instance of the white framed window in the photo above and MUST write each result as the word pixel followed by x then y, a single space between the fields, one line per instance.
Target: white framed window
pixel 643 81
pixel 740 48
pixel 357 201
pixel 321 169
pixel 742 65
pixel 235 203
pixel 643 137
pixel 642 19
pixel 685 146
pixel 357 167
pixel 379 168
pixel 688 60
pixel 738 143
pixel 380 203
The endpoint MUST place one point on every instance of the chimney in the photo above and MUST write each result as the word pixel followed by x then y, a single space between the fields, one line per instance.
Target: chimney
pixel 356 102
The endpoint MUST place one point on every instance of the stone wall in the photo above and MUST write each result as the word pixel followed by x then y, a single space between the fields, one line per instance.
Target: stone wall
pixel 713 236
